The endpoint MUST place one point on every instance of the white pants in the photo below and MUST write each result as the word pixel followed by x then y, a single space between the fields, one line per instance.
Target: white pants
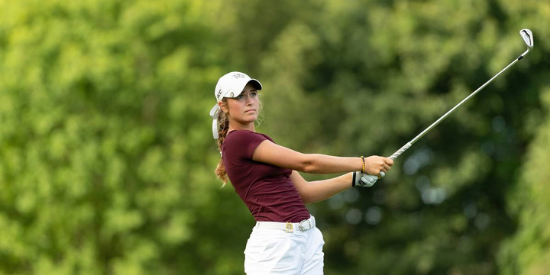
pixel 276 251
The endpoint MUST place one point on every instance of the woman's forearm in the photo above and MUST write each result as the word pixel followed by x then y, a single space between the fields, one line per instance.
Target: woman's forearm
pixel 325 164
pixel 323 189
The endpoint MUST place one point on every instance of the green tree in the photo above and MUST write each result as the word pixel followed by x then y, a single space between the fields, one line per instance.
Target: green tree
pixel 102 164
pixel 527 252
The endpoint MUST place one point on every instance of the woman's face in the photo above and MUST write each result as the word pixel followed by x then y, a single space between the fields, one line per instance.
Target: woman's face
pixel 244 108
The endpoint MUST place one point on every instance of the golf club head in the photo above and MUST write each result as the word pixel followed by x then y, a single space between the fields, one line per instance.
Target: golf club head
pixel 527 36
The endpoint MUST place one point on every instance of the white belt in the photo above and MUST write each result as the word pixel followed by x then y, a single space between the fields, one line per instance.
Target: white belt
pixel 289 227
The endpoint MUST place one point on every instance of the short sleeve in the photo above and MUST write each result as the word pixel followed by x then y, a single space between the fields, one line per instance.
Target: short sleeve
pixel 242 143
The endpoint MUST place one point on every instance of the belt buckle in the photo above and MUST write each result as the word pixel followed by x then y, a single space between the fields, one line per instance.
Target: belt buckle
pixel 289 228
pixel 301 226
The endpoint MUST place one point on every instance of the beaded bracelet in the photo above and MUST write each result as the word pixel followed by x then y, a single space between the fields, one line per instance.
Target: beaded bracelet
pixel 363 159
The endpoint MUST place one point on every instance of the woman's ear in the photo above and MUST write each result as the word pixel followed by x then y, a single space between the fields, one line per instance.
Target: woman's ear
pixel 223 106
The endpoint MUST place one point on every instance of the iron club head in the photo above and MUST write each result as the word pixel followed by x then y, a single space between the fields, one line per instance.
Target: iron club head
pixel 527 36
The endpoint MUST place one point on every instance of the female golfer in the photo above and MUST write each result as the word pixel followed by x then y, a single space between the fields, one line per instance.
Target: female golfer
pixel 285 239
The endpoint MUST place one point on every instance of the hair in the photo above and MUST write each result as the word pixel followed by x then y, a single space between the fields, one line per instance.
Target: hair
pixel 223 128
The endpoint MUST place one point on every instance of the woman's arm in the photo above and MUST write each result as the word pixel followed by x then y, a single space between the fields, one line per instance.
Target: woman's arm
pixel 320 190
pixel 269 152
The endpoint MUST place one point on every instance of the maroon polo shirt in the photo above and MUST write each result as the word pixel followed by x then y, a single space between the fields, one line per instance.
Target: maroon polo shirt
pixel 266 189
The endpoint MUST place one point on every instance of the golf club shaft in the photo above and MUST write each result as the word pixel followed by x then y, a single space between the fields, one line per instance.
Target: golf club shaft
pixel 410 143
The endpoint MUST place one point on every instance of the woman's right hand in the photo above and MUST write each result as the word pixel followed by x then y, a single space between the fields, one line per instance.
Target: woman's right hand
pixel 376 164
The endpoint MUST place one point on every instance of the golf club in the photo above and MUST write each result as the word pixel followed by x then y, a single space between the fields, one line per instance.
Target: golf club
pixel 527 36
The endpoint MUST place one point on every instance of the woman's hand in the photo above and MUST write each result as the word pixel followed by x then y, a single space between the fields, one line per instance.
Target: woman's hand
pixel 378 166
pixel 361 179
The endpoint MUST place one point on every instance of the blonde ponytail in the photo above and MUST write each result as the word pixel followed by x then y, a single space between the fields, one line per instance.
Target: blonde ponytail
pixel 223 127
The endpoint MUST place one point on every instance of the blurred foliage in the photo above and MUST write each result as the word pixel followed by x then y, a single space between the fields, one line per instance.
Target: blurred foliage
pixel 528 251
pixel 107 159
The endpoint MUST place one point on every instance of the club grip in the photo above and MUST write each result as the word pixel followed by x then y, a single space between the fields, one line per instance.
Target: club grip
pixel 401 150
